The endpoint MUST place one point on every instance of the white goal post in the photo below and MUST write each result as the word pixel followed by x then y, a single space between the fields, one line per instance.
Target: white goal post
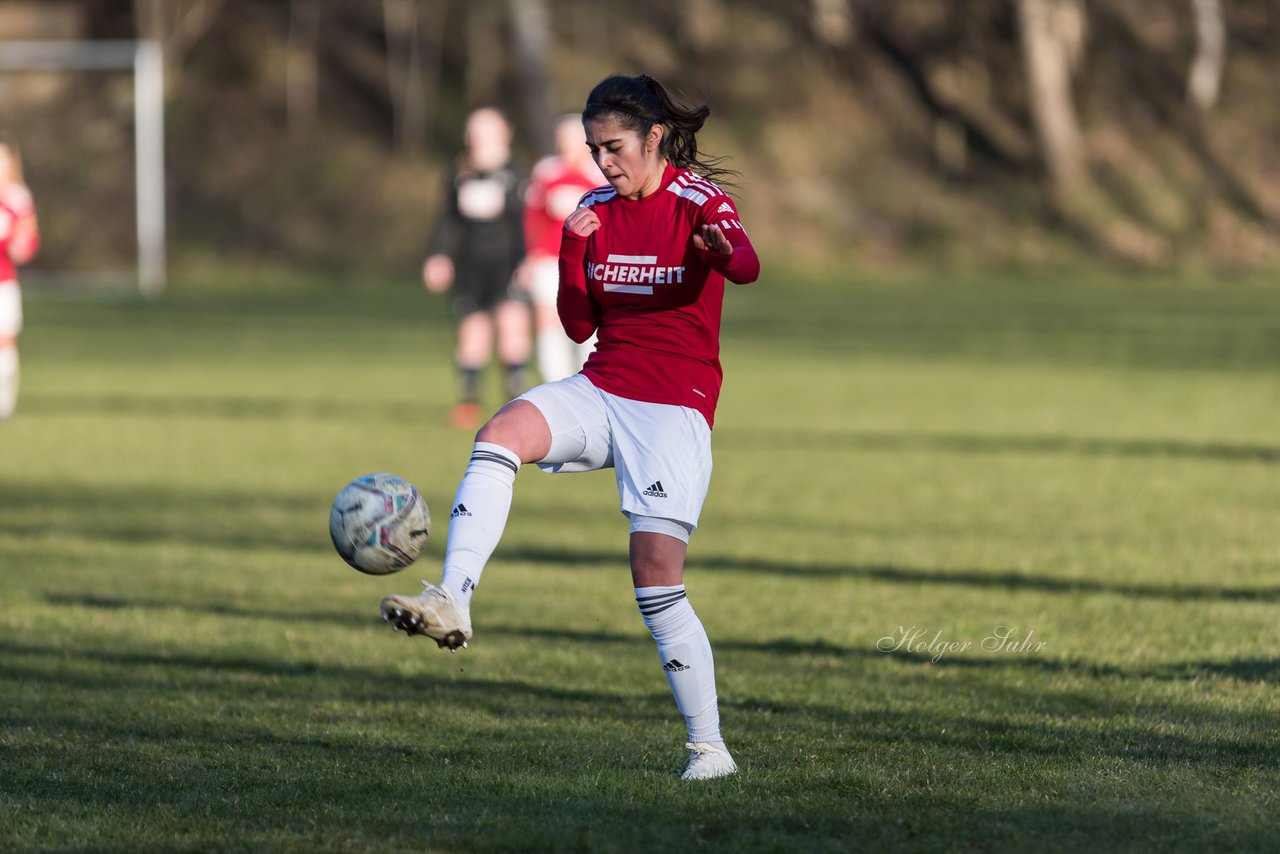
pixel 146 61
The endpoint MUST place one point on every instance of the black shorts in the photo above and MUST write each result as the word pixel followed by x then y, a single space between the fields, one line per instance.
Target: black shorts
pixel 482 288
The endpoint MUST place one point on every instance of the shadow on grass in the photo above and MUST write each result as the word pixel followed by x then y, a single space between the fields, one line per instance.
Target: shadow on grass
pixel 1006 580
pixel 144 514
pixel 354 620
pixel 232 407
pixel 1262 670
pixel 241 740
pixel 442 696
pixel 251 677
pixel 1159 329
pixel 1009 580
pixel 1245 669
pixel 959 443
pixel 227 407
pixel 234 519
pixel 1259 670
pixel 349 619
pixel 1136 731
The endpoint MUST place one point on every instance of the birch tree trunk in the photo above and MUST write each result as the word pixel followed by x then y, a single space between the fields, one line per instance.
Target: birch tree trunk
pixel 832 21
pixel 1052 38
pixel 301 70
pixel 485 52
pixel 404 73
pixel 702 23
pixel 1205 80
pixel 531 30
pixel 177 26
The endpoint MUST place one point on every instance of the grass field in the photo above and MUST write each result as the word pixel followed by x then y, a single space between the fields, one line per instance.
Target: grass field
pixel 185 664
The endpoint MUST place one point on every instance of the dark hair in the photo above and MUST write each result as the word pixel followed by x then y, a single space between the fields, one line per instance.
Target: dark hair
pixel 638 103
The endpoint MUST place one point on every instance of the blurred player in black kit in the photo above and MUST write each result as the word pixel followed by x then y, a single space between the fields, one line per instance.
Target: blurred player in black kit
pixel 477 248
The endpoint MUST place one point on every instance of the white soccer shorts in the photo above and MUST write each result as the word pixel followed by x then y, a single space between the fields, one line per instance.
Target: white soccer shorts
pixel 660 453
pixel 10 309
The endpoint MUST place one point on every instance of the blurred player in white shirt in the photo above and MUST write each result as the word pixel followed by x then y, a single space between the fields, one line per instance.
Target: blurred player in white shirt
pixel 557 183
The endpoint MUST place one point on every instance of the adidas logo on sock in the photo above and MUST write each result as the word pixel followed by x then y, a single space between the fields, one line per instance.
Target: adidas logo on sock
pixel 460 510
pixel 655 490
pixel 674 665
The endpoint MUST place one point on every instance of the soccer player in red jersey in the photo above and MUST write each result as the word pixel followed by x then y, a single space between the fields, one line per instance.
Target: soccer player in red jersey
pixel 556 185
pixel 476 249
pixel 643 266
pixel 19 240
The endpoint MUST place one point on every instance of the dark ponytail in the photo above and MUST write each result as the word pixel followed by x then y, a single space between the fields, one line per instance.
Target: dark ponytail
pixel 639 103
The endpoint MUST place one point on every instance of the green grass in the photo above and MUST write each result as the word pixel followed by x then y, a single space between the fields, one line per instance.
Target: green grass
pixel 185 664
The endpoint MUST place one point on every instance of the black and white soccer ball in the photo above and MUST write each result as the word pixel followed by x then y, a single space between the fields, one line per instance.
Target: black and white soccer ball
pixel 379 523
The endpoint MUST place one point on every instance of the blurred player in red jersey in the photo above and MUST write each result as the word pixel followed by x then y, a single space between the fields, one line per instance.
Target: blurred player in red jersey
pixel 643 265
pixel 556 185
pixel 477 248
pixel 19 240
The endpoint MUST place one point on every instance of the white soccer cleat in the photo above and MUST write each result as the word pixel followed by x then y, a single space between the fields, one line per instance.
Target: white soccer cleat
pixel 708 761
pixel 432 613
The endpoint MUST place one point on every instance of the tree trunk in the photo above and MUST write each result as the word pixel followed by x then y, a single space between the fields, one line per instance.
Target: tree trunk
pixel 1205 80
pixel 404 72
pixel 434 20
pixel 485 52
pixel 177 26
pixel 301 70
pixel 531 31
pixel 1052 36
pixel 832 21
pixel 701 26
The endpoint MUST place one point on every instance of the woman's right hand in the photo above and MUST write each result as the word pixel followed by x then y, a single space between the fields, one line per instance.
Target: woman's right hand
pixel 437 273
pixel 582 222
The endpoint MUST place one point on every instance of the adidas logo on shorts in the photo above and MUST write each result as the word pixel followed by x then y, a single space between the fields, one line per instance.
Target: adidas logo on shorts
pixel 655 490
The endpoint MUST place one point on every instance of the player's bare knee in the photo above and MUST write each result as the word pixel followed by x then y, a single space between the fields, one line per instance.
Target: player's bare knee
pixel 520 428
pixel 656 559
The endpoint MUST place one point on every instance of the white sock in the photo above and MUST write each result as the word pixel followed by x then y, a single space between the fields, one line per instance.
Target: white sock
pixel 478 518
pixel 8 381
pixel 555 355
pixel 685 653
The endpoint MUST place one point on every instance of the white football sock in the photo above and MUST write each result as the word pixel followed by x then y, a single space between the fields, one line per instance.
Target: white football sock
pixel 8 381
pixel 478 518
pixel 685 653
pixel 555 355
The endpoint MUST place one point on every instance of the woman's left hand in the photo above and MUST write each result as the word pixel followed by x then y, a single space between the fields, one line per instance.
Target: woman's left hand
pixel 712 239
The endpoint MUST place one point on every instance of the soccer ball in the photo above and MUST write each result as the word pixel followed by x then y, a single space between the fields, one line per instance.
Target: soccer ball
pixel 379 523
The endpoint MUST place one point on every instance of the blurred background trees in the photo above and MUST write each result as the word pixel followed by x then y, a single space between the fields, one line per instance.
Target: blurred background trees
pixel 312 133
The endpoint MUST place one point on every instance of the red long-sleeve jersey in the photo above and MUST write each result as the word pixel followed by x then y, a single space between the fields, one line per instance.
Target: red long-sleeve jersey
pixel 555 186
pixel 19 238
pixel 652 298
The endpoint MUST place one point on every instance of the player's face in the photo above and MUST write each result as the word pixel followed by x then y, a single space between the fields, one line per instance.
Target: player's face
pixel 488 139
pixel 630 163
pixel 569 140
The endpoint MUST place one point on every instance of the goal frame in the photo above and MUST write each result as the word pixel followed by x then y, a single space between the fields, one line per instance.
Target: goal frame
pixel 145 59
